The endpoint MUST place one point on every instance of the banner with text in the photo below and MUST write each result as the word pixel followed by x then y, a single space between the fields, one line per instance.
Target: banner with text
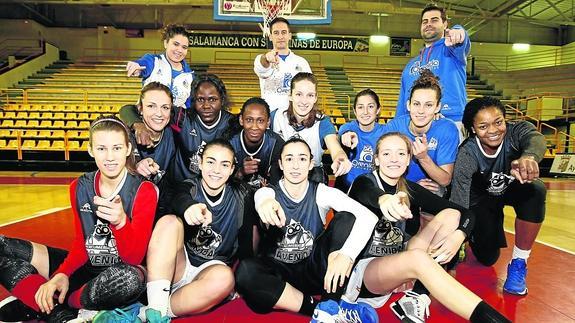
pixel 342 44
pixel 563 164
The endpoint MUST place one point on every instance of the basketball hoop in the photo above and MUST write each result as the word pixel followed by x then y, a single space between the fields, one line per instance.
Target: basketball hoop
pixel 270 9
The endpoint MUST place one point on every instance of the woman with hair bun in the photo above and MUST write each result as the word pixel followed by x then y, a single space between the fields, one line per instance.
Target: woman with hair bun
pixel 434 142
pixel 169 68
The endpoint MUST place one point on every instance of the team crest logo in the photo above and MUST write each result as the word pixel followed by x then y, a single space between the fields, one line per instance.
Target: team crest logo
pixel 387 239
pixel 366 154
pixel 195 159
pixel 498 183
pixel 432 144
pixel 206 242
pixel 101 245
pixel 296 244
pixel 86 208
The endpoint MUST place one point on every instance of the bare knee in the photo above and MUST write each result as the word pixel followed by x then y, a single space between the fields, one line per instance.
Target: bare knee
pixel 419 260
pixel 222 280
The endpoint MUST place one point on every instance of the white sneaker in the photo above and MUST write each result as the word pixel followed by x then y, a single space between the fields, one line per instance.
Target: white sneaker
pixel 84 316
pixel 412 307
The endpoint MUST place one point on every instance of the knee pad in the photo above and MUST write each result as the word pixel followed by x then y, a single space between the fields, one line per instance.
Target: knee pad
pixel 486 257
pixel 13 270
pixel 258 289
pixel 116 286
pixel 533 208
pixel 15 248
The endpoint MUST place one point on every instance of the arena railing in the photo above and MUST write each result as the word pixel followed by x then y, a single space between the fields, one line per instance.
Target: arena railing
pixel 544 58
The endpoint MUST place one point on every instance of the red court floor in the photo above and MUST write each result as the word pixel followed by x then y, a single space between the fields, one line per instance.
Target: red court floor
pixel 550 281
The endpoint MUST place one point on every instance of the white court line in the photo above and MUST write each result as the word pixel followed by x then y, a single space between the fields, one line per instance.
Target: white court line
pixel 36 215
pixel 547 244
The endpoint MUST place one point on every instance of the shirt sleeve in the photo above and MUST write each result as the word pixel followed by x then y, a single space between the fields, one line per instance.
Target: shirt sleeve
pixel 329 197
pixel 77 255
pixel 447 150
pixel 132 239
pixel 275 171
pixel 366 192
pixel 305 65
pixel 148 61
pixel 530 141
pixel 460 51
pixel 183 199
pixel 344 128
pixel 401 109
pixel 465 167
pixel 129 115
pixel 261 71
pixel 325 128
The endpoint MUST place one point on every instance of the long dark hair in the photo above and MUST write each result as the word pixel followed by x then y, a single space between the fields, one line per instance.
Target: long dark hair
pixel 314 114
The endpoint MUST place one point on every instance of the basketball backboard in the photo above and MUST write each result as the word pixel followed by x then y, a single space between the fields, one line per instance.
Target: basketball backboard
pixel 302 12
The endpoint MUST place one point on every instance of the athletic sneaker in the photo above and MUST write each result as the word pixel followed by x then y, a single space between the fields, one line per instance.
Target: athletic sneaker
pixel 154 316
pixel 331 312
pixel 127 314
pixel 412 307
pixel 516 273
pixel 13 310
pixel 326 312
pixel 357 312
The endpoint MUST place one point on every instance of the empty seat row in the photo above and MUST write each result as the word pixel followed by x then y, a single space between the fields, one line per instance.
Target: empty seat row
pixel 32 124
pixel 55 145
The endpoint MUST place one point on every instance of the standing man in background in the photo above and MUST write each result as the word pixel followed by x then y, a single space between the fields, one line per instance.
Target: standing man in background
pixel 445 54
pixel 276 68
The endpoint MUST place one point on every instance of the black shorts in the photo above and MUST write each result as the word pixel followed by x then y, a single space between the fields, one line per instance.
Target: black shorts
pixel 528 200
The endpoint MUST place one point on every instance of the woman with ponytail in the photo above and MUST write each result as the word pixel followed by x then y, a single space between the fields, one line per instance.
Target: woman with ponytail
pixel 392 258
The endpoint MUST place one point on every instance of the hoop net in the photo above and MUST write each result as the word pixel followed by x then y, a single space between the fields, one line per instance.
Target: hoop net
pixel 270 9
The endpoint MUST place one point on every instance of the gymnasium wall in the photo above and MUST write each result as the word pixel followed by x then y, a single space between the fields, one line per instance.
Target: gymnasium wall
pixel 110 41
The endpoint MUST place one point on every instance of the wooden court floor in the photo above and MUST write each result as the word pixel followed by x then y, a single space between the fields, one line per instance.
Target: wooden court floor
pixel 36 206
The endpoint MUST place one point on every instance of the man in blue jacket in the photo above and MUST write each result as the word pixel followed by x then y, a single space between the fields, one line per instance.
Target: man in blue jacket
pixel 445 55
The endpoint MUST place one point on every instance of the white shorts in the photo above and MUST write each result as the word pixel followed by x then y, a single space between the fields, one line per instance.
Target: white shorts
pixel 354 286
pixel 191 272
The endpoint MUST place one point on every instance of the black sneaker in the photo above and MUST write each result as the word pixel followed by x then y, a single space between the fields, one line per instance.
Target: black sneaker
pixel 61 313
pixel 13 310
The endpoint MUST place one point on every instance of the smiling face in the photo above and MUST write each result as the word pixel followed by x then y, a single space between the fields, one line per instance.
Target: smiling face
pixel 303 97
pixel 366 110
pixel 110 149
pixel 216 166
pixel 489 126
pixel 432 27
pixel 280 36
pixel 208 103
pixel 176 48
pixel 422 107
pixel 155 109
pixel 255 121
pixel 392 159
pixel 296 162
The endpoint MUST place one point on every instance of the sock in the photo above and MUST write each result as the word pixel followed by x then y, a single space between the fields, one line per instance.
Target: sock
pixel 142 313
pixel 520 253
pixel 308 305
pixel 74 299
pixel 419 288
pixel 170 314
pixel 159 295
pixel 26 289
pixel 484 313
